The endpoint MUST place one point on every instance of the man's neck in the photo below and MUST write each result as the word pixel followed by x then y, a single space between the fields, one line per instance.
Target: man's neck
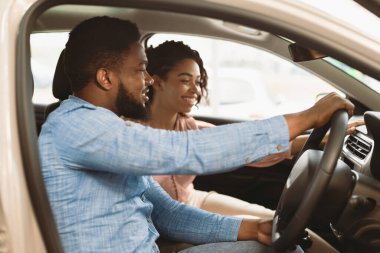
pixel 92 95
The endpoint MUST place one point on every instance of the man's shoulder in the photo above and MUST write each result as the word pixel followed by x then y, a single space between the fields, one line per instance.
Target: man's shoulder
pixel 74 107
pixel 74 112
pixel 74 103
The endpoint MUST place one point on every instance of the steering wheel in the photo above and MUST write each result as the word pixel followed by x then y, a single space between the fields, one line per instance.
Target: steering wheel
pixel 307 181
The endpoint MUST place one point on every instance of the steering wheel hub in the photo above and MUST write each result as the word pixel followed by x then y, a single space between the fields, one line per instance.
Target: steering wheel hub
pixel 307 182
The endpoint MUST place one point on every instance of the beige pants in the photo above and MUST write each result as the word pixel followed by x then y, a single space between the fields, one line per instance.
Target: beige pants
pixel 226 205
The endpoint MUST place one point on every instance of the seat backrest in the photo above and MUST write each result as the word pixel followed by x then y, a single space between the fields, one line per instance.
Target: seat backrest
pixel 61 85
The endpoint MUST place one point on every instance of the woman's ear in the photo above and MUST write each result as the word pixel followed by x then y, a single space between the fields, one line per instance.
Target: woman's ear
pixel 103 79
pixel 157 84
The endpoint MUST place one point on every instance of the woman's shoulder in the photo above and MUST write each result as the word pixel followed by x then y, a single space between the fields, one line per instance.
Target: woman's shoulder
pixel 187 122
pixel 203 124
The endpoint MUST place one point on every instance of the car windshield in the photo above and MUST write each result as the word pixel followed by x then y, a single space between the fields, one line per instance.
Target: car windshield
pixel 367 80
pixel 357 17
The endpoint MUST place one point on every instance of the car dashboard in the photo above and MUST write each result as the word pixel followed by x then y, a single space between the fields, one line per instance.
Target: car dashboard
pixel 358 224
pixel 357 150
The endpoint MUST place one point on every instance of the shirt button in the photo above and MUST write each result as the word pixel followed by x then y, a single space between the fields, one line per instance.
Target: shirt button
pixel 247 161
pixel 129 124
pixel 279 147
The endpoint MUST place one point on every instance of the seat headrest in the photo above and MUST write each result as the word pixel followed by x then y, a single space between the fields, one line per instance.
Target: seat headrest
pixel 61 82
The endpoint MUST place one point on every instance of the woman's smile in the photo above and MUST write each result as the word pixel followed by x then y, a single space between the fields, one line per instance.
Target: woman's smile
pixel 190 100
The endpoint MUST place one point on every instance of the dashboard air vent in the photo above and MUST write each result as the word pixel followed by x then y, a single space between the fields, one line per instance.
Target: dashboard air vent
pixel 357 146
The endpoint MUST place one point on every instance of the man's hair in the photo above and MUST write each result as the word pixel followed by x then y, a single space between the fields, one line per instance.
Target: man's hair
pixel 164 57
pixel 99 42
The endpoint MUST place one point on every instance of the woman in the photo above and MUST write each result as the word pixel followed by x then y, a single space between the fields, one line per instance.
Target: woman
pixel 180 81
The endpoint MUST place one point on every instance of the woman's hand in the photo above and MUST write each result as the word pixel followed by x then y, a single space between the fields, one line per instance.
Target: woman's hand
pixel 299 141
pixel 351 128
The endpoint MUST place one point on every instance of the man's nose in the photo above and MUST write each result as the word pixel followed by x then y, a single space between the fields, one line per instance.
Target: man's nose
pixel 148 79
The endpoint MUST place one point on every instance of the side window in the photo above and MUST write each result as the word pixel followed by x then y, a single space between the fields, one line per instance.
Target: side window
pixel 45 50
pixel 249 83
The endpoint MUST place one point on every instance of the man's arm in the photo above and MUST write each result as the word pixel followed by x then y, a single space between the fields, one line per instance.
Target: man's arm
pixel 105 142
pixel 180 222
pixel 184 223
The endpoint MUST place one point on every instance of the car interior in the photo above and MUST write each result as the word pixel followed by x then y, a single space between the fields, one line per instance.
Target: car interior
pixel 348 215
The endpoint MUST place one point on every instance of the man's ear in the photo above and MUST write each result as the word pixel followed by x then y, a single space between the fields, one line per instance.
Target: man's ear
pixel 103 79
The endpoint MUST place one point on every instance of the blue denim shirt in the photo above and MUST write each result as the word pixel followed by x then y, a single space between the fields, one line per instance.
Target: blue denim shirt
pixel 96 168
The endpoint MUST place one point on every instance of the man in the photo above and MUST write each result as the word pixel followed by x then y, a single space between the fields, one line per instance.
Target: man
pixel 95 164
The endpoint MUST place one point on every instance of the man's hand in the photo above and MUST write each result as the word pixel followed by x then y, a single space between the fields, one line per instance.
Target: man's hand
pixel 259 230
pixel 326 106
pixel 318 115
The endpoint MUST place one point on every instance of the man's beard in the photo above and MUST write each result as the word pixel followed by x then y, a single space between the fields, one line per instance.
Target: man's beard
pixel 128 106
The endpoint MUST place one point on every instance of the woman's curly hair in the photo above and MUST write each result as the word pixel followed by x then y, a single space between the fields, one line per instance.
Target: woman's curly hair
pixel 164 57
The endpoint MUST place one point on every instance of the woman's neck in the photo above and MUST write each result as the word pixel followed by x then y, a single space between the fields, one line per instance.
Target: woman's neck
pixel 162 118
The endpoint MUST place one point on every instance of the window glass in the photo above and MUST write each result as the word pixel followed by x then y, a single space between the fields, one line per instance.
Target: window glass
pixel 367 80
pixel 244 82
pixel 361 20
pixel 45 50
pixel 249 83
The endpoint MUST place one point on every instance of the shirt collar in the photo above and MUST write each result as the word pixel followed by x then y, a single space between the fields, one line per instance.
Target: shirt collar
pixel 80 102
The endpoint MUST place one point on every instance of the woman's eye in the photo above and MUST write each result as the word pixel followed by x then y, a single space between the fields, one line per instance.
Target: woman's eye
pixel 185 81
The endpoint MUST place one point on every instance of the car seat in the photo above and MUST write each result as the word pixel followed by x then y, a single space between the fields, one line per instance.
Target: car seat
pixel 61 85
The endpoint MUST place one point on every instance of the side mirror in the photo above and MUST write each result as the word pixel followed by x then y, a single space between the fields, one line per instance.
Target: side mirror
pixel 300 53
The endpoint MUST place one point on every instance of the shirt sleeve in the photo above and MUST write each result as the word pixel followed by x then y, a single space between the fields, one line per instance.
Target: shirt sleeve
pixel 184 223
pixel 266 161
pixel 99 140
pixel 271 160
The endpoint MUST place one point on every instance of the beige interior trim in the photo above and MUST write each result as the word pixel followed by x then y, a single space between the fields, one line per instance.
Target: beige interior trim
pixel 4 244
